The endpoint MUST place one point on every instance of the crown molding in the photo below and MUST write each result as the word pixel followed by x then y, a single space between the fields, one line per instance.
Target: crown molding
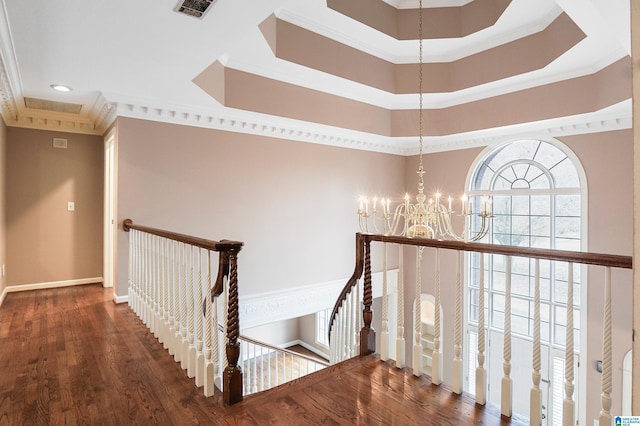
pixel 414 4
pixel 263 125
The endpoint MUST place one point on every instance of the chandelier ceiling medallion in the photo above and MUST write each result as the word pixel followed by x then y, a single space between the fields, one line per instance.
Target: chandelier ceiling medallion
pixel 425 219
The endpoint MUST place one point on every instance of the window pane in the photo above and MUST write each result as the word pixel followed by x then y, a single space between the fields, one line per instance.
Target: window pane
pixel 565 175
pixel 521 170
pixel 498 283
pixel 541 205
pixel 568 227
pixel 540 226
pixel 548 155
pixel 501 205
pixel 520 325
pixel 539 182
pixel 520 204
pixel 520 265
pixel 520 225
pixel 534 173
pixel 568 205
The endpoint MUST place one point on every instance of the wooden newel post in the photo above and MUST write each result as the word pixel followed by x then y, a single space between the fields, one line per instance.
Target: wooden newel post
pixel 232 385
pixel 367 334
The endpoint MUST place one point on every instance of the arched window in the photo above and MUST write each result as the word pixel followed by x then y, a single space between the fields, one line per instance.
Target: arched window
pixel 536 191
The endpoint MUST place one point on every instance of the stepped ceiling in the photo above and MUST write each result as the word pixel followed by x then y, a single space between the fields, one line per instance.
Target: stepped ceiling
pixel 338 72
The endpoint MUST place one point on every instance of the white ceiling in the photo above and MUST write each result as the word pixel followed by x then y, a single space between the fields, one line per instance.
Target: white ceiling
pixel 138 59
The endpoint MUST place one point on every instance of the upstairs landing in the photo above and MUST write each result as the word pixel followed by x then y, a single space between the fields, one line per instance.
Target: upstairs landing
pixel 365 391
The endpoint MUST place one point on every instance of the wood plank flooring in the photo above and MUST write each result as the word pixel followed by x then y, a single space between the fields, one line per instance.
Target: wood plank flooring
pixel 70 356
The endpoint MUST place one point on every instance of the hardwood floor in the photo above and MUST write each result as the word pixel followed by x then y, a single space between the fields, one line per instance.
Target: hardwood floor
pixel 70 356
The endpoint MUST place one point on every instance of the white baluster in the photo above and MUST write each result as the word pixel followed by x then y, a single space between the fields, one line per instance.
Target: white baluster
pixel 507 382
pixel 269 370
pixel 417 316
pixel 384 335
pixel 605 412
pixel 193 308
pixel 435 355
pixel 157 286
pixel 186 300
pixel 199 325
pixel 536 400
pixel 291 373
pixel 168 309
pixel 357 315
pixel 133 270
pixel 172 299
pixel 278 381
pixel 255 368
pixel 148 282
pixel 568 406
pixel 217 336
pixel 165 293
pixel 208 333
pixel 457 348
pixel 129 278
pixel 481 374
pixel 400 343
pixel 177 338
pixel 136 270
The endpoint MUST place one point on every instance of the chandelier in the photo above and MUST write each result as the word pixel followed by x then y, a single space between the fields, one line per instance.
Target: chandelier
pixel 422 218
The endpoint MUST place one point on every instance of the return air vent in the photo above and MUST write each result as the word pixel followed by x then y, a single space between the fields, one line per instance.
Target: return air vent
pixel 59 143
pixel 44 104
pixel 195 8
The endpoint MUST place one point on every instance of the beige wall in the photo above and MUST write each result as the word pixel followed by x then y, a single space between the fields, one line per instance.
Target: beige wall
pixel 607 161
pixel 3 204
pixel 293 204
pixel 45 242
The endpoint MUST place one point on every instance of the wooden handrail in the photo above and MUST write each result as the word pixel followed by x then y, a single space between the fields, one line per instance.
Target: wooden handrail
pixel 601 259
pixel 357 273
pixel 589 258
pixel 287 351
pixel 219 246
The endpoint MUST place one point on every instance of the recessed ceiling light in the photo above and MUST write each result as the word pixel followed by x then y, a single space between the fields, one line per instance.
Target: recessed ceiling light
pixel 61 88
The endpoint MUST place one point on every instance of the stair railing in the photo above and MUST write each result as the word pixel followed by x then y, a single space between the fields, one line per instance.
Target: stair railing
pixel 343 326
pixel 266 366
pixel 169 276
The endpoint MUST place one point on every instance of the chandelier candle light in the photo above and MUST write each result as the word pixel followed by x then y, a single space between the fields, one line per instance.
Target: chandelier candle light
pixel 421 219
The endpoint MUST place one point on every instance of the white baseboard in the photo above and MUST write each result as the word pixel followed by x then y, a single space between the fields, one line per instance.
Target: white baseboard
pixel 120 299
pixel 53 284
pixel 306 346
pixel 3 295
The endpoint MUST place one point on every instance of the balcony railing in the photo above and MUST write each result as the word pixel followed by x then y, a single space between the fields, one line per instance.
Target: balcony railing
pixel 351 332
pixel 171 289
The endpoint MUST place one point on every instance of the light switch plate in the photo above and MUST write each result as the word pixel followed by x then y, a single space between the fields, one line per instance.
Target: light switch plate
pixel 71 206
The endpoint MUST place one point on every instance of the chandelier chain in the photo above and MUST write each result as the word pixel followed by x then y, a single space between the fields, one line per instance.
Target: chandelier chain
pixel 420 111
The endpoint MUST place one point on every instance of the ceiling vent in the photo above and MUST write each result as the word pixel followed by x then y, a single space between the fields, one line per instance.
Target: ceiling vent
pixel 195 8
pixel 44 104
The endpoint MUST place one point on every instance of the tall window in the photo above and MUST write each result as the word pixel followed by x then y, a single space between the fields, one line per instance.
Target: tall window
pixel 536 195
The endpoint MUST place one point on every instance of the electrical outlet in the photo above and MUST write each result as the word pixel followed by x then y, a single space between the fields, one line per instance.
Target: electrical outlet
pixel 596 422
pixel 71 206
